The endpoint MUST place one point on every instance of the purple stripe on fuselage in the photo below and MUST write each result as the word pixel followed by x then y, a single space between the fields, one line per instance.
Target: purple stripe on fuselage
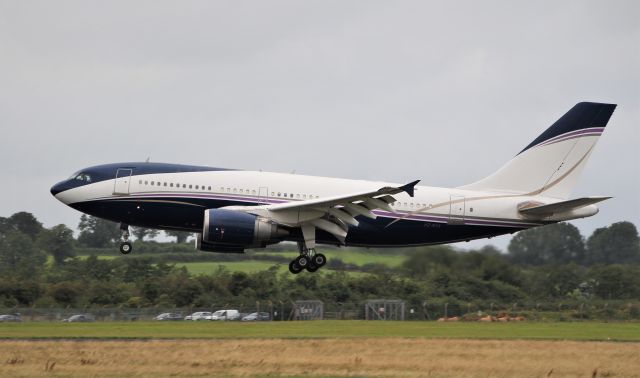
pixel 403 215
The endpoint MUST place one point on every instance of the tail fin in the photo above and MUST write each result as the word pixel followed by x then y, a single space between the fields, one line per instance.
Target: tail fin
pixel 551 164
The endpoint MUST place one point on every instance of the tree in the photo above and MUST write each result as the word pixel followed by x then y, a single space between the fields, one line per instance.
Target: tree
pixel 556 281
pixel 140 233
pixel 58 242
pixel 615 281
pixel 4 226
pixel 96 232
pixel 559 243
pixel 181 236
pixel 19 257
pixel 616 244
pixel 66 293
pixel 25 223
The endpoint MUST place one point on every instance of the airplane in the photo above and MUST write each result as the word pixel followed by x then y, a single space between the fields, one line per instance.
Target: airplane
pixel 232 210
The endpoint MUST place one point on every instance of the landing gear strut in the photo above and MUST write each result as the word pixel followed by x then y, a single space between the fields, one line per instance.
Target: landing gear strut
pixel 125 245
pixel 308 259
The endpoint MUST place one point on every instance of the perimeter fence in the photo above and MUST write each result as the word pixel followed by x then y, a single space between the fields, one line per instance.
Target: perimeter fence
pixel 374 309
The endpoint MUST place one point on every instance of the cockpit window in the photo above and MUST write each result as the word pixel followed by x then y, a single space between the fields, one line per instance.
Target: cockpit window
pixel 81 176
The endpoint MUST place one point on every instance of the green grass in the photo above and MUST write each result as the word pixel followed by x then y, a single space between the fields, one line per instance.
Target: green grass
pixel 247 266
pixel 208 267
pixel 324 329
pixel 357 257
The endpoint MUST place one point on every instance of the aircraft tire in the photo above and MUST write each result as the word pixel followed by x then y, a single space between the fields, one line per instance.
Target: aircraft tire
pixel 126 248
pixel 302 261
pixel 319 260
pixel 294 267
pixel 312 267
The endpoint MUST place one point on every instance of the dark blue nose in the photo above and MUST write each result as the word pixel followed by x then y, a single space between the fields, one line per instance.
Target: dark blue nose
pixel 59 187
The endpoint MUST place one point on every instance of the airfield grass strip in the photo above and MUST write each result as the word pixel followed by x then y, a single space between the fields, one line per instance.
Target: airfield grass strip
pixel 578 331
pixel 338 357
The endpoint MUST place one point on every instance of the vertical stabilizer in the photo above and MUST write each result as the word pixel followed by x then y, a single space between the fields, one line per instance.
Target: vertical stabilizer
pixel 551 164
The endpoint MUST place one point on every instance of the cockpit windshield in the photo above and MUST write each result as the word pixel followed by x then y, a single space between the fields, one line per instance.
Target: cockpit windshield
pixel 81 176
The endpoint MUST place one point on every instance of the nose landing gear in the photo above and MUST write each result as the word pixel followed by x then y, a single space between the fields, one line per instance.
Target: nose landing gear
pixel 125 246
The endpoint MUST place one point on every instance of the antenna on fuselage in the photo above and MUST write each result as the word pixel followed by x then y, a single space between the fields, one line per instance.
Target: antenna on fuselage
pixel 148 158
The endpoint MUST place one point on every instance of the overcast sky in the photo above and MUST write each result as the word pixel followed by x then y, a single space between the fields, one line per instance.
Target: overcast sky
pixel 445 92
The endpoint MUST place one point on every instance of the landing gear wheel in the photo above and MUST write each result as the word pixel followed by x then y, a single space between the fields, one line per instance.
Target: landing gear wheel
pixel 294 267
pixel 125 248
pixel 302 261
pixel 312 267
pixel 319 260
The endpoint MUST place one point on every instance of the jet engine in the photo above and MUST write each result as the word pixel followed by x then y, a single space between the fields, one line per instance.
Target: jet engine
pixel 231 231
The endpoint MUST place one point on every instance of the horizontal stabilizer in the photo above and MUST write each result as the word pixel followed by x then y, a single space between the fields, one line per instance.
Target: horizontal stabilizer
pixel 529 208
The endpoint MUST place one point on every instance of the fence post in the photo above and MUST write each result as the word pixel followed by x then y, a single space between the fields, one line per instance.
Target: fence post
pixel 446 313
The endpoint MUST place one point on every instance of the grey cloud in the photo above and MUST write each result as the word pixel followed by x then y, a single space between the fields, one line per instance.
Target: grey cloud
pixel 441 91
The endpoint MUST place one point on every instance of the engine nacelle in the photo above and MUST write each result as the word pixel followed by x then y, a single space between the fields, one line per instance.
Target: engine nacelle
pixel 220 248
pixel 232 231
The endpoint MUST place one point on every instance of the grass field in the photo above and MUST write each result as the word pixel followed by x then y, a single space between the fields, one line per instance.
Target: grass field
pixel 357 257
pixel 320 349
pixel 208 267
pixel 390 357
pixel 325 329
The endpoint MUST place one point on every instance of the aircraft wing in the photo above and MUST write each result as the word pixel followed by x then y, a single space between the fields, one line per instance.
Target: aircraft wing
pixel 332 214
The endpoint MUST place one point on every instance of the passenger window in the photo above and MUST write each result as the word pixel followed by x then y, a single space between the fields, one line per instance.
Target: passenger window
pixel 153 183
pixel 298 196
pixel 197 187
pixel 146 182
pixel 304 196
pixel 279 194
pixel 140 182
pixel 285 195
pixel 164 184
pixel 171 185
pixel 291 195
pixel 209 189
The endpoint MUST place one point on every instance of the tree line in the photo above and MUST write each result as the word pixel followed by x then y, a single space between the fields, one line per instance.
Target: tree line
pixel 39 267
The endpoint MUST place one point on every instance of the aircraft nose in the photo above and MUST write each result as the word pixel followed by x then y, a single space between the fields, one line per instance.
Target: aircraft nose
pixel 57 188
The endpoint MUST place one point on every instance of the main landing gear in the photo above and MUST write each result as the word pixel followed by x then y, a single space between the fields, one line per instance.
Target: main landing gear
pixel 308 259
pixel 125 245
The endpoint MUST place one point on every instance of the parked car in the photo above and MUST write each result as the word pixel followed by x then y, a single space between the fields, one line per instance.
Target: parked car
pixel 167 316
pixel 10 318
pixel 80 318
pixel 256 316
pixel 226 315
pixel 201 315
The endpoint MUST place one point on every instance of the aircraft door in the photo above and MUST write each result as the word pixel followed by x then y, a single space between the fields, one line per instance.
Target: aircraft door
pixel 457 209
pixel 123 179
pixel 263 194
